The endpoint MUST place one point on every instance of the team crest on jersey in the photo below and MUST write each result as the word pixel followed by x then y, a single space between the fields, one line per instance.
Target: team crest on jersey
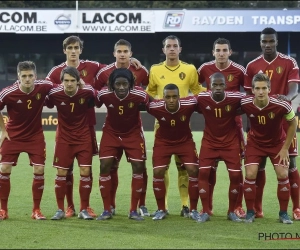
pixel 38 96
pixel 271 115
pixel 230 78
pixel 183 118
pixel 83 73
pixel 279 70
pixel 81 100
pixel 228 108
pixel 182 75
pixel 130 105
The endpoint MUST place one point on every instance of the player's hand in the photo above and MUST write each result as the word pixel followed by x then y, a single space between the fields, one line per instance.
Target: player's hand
pixel 4 135
pixel 81 83
pixel 283 98
pixel 136 63
pixel 284 159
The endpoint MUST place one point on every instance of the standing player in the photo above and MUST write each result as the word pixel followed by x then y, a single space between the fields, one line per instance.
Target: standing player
pixel 174 136
pixel 72 48
pixel 74 140
pixel 122 130
pixel 219 142
pixel 283 72
pixel 267 138
pixel 185 76
pixel 23 133
pixel 122 53
pixel 234 75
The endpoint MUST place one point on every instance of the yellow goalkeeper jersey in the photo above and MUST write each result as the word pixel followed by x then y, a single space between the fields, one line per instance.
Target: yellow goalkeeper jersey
pixel 184 75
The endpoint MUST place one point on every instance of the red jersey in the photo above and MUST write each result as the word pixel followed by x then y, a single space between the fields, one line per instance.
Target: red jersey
pixel 282 70
pixel 234 74
pixel 141 76
pixel 123 115
pixel 174 127
pixel 24 109
pixel 220 125
pixel 72 114
pixel 87 69
pixel 266 127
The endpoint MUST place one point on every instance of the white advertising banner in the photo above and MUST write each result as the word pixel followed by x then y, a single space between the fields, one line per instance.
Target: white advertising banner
pixel 145 21
pixel 72 21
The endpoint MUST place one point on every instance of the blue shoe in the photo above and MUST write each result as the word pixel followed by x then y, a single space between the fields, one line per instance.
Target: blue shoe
pixel 144 211
pixel 250 216
pixel 233 217
pixel 85 215
pixel 194 215
pixel 285 219
pixel 203 218
pixel 135 216
pixel 59 215
pixel 105 216
pixel 159 215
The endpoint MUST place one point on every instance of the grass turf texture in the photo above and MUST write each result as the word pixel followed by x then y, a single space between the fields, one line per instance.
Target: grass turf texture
pixel 20 231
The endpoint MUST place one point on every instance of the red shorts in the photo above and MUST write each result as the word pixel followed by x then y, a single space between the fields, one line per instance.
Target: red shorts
pixel 94 140
pixel 254 153
pixel 293 149
pixel 64 155
pixel 111 145
pixel 231 157
pixel 185 151
pixel 36 150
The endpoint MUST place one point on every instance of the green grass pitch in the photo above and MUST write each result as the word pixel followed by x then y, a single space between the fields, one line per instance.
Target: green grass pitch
pixel 21 232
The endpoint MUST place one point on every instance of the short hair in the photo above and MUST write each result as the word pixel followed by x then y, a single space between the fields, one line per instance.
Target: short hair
pixel 171 86
pixel 217 75
pixel 171 37
pixel 71 40
pixel 120 72
pixel 260 77
pixel 26 65
pixel 221 41
pixel 122 42
pixel 269 31
pixel 71 71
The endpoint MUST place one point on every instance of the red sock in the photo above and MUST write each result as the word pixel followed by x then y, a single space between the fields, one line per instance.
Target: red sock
pixel 234 187
pixel 294 183
pixel 142 201
pixel 239 201
pixel 159 189
pixel 114 185
pixel 37 190
pixel 212 182
pixel 4 189
pixel 193 192
pixel 283 193
pixel 60 191
pixel 249 193
pixel 105 189
pixel 260 184
pixel 69 188
pixel 137 184
pixel 204 187
pixel 84 191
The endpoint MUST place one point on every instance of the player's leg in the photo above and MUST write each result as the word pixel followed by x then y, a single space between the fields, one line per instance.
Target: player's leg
pixel 10 152
pixel 142 202
pixel 115 180
pixel 212 179
pixel 69 192
pixel 260 184
pixel 84 155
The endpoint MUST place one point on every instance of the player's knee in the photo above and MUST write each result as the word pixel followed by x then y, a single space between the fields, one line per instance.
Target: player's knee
pixel 161 172
pixel 38 169
pixel 6 168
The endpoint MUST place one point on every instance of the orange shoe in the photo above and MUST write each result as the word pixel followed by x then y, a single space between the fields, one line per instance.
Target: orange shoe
pixel 240 212
pixel 70 212
pixel 210 212
pixel 37 215
pixel 296 214
pixel 259 214
pixel 3 214
pixel 91 212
